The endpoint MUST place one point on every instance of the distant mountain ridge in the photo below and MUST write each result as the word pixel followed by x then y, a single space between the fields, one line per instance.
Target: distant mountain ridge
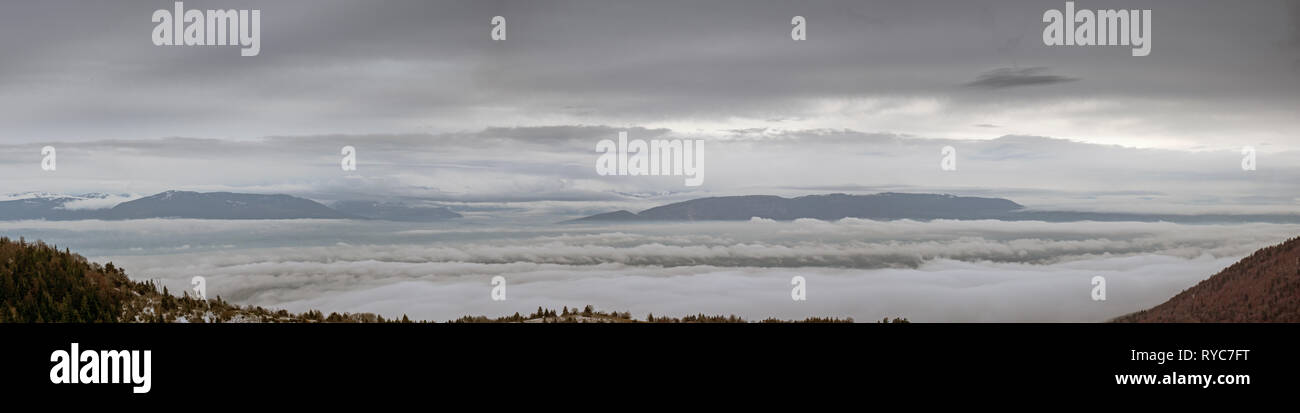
pixel 221 205
pixel 209 205
pixel 50 206
pixel 890 206
pixel 882 206
pixel 825 207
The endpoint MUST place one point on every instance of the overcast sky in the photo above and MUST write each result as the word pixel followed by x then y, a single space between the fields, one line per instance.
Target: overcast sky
pixel 440 111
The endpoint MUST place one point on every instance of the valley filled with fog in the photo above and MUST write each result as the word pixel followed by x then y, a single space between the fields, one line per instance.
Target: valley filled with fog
pixel 936 271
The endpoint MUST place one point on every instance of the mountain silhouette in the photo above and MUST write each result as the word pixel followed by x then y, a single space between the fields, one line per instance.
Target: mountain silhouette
pixel 892 206
pixel 221 205
pixel 206 205
pixel 824 207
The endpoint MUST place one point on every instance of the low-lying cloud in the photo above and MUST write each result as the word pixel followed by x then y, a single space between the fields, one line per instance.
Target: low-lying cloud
pixel 927 271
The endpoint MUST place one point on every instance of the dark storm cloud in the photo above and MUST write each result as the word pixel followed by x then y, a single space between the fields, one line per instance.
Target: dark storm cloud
pixel 1006 77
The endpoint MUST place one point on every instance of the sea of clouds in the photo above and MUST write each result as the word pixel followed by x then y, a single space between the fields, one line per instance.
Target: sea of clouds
pixel 938 271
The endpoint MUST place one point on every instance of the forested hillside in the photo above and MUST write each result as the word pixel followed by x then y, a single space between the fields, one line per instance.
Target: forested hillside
pixel 38 283
pixel 1264 287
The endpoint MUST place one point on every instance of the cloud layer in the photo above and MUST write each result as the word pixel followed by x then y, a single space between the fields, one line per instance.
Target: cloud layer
pixel 935 271
pixel 1010 77
pixel 1217 69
